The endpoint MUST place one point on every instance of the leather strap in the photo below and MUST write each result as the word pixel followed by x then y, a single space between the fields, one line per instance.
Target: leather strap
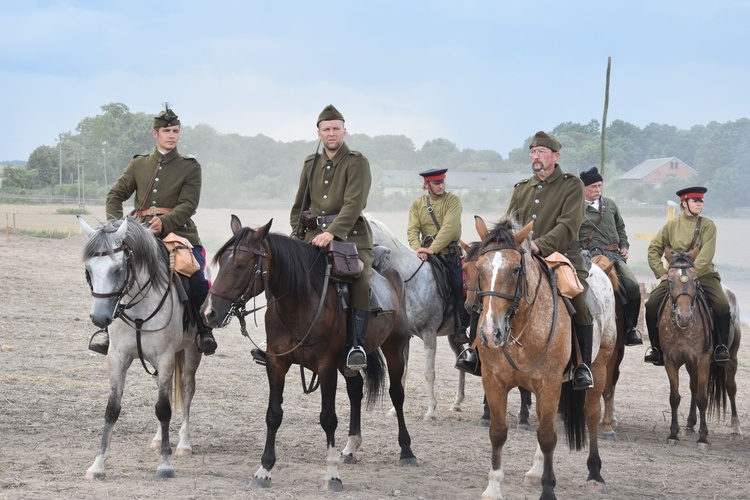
pixel 153 211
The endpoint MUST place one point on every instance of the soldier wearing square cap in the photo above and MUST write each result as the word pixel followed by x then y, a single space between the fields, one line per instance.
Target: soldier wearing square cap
pixel 680 235
pixel 167 189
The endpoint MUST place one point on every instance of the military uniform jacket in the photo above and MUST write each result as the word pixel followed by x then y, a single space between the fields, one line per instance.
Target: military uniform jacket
pixel 177 186
pixel 447 210
pixel 338 186
pixel 678 233
pixel 556 207
pixel 611 229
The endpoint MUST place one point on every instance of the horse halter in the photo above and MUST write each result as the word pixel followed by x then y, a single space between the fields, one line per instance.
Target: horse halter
pixel 684 279
pixel 127 283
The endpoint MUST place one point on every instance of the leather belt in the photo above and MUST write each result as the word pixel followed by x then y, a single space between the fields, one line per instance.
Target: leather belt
pixel 324 220
pixel 153 211
pixel 614 247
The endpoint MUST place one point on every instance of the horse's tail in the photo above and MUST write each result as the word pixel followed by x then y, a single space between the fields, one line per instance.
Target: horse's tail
pixel 375 379
pixel 574 418
pixel 717 390
pixel 179 367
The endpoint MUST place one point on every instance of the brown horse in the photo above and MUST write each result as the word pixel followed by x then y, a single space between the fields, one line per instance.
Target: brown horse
pixel 685 332
pixel 306 325
pixel 524 334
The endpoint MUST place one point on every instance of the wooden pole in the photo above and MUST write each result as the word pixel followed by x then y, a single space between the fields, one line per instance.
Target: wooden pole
pixel 604 118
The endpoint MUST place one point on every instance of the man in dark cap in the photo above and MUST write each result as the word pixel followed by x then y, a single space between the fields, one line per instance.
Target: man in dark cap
pixel 685 233
pixel 434 228
pixel 603 232
pixel 167 189
pixel 334 186
pixel 554 201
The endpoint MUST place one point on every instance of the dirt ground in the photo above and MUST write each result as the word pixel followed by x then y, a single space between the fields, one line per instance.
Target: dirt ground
pixel 53 393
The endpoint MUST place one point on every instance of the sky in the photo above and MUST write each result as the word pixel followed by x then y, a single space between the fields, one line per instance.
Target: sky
pixel 481 74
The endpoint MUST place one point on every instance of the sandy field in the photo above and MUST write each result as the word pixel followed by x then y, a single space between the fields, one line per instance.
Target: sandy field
pixel 53 393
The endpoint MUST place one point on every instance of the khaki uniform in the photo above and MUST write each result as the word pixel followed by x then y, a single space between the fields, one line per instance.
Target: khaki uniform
pixel 177 186
pixel 556 207
pixel 677 234
pixel 447 209
pixel 339 187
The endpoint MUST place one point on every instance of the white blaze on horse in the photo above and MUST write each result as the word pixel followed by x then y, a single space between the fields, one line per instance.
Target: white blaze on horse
pixel 134 298
pixel 425 307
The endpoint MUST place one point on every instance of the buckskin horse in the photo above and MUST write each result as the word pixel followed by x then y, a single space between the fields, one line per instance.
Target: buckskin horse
pixel 524 333
pixel 685 333
pixel 127 268
pixel 306 325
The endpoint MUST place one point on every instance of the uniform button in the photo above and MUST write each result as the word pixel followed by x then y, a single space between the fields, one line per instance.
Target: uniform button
pixel 153 202
pixel 156 179
pixel 159 167
pixel 533 216
pixel 539 186
pixel 326 182
pixel 354 232
pixel 536 201
pixel 325 225
pixel 328 167
pixel 325 196
pixel 156 190
pixel 323 212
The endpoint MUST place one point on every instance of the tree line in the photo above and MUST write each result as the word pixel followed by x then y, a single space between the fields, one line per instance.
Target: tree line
pixel 238 168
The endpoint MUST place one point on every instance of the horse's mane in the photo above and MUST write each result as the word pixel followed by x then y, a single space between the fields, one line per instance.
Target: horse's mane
pixel 391 241
pixel 503 232
pixel 296 266
pixel 148 254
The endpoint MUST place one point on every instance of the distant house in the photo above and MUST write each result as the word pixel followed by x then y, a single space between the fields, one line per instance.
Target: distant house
pixel 656 170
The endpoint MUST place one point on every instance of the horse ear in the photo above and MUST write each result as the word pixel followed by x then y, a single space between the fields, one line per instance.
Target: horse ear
pixel 85 227
pixel 464 246
pixel 235 224
pixel 262 231
pixel 523 233
pixel 481 227
pixel 122 231
pixel 668 253
pixel 694 253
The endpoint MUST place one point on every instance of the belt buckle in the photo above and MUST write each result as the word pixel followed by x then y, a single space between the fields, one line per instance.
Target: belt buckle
pixel 319 221
pixel 152 211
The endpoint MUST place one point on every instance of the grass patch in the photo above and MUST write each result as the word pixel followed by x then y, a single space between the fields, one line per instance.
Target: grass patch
pixel 46 233
pixel 72 211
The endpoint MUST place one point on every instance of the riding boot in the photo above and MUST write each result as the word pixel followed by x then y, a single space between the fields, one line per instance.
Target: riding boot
pixel 631 320
pixel 205 338
pixel 259 353
pixel 653 355
pixel 721 352
pixel 470 362
pixel 356 358
pixel 582 377
pixel 461 320
pixel 99 342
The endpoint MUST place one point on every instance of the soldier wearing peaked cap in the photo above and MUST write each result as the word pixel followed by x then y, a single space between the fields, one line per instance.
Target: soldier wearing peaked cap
pixel 603 232
pixel 684 233
pixel 167 189
pixel 433 229
pixel 554 201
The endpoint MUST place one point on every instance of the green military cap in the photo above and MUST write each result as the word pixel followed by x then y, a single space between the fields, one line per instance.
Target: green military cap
pixel 329 113
pixel 166 118
pixel 547 140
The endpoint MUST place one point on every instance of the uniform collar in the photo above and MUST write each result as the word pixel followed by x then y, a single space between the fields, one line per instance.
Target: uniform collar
pixel 167 157
pixel 340 154
pixel 555 175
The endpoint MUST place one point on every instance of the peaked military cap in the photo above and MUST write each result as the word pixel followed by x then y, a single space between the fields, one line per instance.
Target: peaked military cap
pixel 590 176
pixel 166 118
pixel 546 140
pixel 434 174
pixel 695 193
pixel 329 113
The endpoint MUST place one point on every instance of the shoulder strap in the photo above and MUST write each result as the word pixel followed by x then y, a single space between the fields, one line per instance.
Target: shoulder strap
pixel 695 234
pixel 431 211
pixel 148 190
pixel 596 225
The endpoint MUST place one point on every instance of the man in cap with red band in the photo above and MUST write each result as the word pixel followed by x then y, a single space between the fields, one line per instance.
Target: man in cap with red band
pixel 680 235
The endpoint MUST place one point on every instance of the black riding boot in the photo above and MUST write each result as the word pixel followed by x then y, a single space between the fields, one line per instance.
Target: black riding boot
pixel 721 352
pixel 469 362
pixel 653 355
pixel 356 358
pixel 631 321
pixel 99 342
pixel 205 338
pixel 461 319
pixel 582 378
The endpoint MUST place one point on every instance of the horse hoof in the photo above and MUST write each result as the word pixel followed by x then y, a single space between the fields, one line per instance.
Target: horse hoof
pixel 408 462
pixel 456 408
pixel 166 473
pixel 596 487
pixel 349 459
pixel 523 427
pixel 260 482
pixel 483 422
pixel 184 452
pixel 704 446
pixel 609 436
pixel 736 436
pixel 672 441
pixel 334 485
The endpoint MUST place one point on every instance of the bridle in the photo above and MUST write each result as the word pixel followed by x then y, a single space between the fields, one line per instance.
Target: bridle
pixel 684 279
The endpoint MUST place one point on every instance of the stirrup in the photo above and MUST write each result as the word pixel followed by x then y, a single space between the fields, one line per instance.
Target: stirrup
pixel 632 338
pixel 724 356
pixel 356 359
pixel 468 361
pixel 101 346
pixel 654 356
pixel 583 379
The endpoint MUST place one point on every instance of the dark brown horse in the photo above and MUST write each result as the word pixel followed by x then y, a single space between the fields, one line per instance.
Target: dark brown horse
pixel 685 333
pixel 306 325
pixel 524 336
